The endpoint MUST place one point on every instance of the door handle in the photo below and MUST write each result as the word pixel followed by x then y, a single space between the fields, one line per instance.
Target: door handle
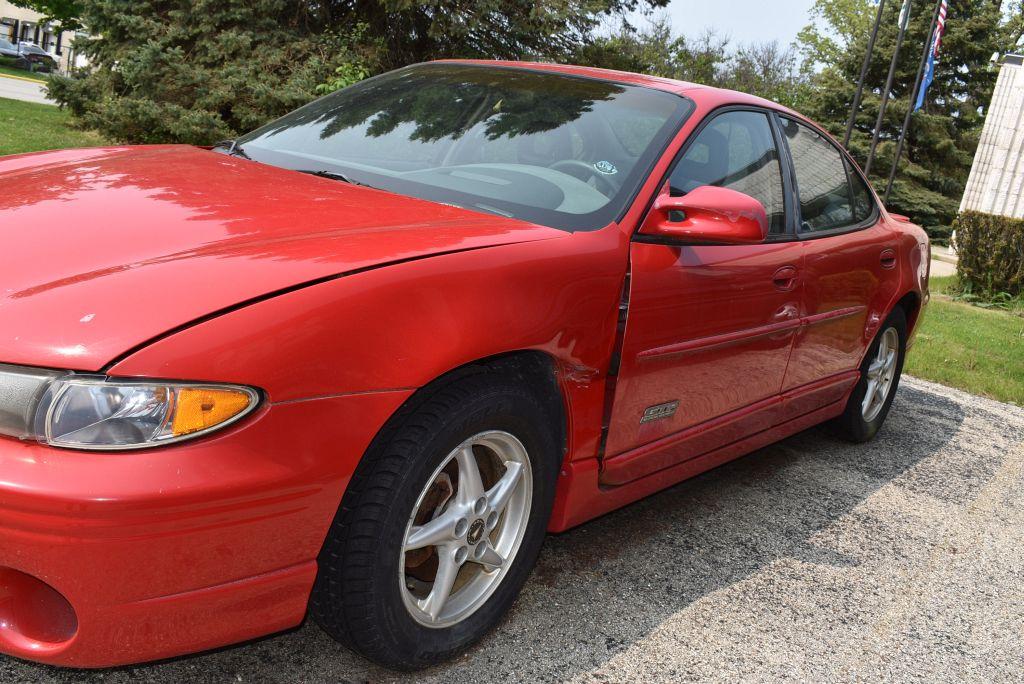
pixel 887 258
pixel 785 278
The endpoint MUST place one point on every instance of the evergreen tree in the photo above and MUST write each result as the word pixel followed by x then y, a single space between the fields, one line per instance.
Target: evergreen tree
pixel 944 135
pixel 200 70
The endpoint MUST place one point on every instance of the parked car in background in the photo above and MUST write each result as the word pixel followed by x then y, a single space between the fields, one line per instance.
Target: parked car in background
pixel 40 59
pixel 9 49
pixel 28 56
pixel 359 361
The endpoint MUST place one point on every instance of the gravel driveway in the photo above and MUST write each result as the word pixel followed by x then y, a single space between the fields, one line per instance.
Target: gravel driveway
pixel 812 559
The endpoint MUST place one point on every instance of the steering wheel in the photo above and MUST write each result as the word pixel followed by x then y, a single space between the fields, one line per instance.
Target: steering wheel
pixel 572 167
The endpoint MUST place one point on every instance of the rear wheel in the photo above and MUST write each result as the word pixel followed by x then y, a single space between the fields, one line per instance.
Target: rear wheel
pixel 441 525
pixel 881 369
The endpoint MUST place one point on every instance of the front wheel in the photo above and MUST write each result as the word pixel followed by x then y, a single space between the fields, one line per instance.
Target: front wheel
pixel 441 525
pixel 880 372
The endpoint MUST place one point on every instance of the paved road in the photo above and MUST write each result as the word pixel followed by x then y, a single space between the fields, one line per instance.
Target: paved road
pixel 899 560
pixel 18 89
pixel 942 268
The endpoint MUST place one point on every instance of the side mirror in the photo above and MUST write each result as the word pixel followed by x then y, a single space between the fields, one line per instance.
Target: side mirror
pixel 708 214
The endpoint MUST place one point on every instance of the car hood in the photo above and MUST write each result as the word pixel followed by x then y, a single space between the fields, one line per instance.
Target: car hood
pixel 106 249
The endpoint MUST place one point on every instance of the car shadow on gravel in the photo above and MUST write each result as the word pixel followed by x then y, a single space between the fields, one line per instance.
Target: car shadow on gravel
pixel 601 587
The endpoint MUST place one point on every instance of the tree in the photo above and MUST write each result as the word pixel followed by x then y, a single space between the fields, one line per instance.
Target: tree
pixel 65 15
pixel 765 69
pixel 768 70
pixel 944 135
pixel 199 70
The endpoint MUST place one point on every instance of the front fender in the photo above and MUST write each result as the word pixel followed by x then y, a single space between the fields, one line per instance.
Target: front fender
pixel 401 326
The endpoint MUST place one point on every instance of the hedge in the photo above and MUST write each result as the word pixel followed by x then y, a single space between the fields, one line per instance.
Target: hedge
pixel 991 253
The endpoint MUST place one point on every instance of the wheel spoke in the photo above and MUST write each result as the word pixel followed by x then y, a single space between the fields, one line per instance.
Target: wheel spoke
pixel 869 394
pixel 437 531
pixel 499 495
pixel 876 368
pixel 890 361
pixel 471 488
pixel 447 570
pixel 486 556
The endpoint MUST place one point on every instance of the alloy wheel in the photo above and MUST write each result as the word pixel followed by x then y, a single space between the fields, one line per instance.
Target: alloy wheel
pixel 466 528
pixel 880 374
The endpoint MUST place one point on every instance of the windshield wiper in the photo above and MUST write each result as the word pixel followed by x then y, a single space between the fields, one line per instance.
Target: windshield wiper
pixel 335 175
pixel 234 148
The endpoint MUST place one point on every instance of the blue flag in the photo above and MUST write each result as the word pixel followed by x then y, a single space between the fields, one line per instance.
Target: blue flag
pixel 926 80
pixel 933 55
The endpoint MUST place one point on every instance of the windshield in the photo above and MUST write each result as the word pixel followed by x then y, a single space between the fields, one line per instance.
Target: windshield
pixel 557 150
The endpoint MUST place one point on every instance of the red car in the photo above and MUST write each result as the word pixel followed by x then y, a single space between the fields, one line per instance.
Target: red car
pixel 356 363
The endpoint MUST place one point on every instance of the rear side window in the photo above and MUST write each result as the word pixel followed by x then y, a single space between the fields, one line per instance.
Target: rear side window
pixel 863 204
pixel 737 151
pixel 831 196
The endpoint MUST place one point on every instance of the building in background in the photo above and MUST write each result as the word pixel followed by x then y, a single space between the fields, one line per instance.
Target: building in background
pixel 996 183
pixel 22 25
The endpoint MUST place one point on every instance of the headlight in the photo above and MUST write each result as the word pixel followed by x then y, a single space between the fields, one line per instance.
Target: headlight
pixel 90 412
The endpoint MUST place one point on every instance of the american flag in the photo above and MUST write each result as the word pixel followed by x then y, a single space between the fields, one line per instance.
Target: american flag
pixel 940 27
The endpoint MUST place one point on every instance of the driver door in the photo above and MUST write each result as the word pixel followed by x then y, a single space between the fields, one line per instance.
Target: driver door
pixel 710 327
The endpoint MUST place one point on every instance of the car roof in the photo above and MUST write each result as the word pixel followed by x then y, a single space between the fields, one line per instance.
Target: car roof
pixel 708 96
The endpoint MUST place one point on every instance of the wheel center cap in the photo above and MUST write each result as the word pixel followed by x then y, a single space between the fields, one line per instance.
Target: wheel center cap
pixel 476 531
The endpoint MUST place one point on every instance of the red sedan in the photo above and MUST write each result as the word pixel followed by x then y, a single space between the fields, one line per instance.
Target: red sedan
pixel 357 362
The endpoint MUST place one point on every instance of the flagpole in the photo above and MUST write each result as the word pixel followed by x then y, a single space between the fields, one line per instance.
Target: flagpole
pixel 888 86
pixel 928 43
pixel 863 74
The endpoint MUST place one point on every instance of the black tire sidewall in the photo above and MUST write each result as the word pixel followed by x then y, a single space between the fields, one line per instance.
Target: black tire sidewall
pixel 495 406
pixel 852 424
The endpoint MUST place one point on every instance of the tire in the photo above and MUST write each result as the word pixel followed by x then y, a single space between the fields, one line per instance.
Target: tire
pixel 861 421
pixel 365 595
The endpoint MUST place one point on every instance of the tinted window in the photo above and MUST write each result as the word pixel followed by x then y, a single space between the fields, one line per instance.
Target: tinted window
pixel 863 203
pixel 821 180
pixel 557 150
pixel 737 151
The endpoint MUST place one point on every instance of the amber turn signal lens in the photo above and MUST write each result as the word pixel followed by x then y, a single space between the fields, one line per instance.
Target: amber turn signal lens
pixel 199 408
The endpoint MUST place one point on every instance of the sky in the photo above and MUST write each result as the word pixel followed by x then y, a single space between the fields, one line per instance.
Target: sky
pixel 745 21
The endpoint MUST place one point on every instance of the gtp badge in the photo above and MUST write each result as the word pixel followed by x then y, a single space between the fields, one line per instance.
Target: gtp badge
pixel 606 167
pixel 659 411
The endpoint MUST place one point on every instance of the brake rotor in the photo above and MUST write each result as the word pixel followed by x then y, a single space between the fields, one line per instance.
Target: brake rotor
pixel 422 563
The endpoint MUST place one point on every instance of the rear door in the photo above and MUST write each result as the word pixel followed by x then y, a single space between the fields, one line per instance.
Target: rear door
pixel 709 327
pixel 848 268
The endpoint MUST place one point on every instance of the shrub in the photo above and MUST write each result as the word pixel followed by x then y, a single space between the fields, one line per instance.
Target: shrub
pixel 195 72
pixel 991 254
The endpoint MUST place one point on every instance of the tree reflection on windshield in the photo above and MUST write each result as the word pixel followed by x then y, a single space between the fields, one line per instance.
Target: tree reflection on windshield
pixel 550 148
pixel 444 101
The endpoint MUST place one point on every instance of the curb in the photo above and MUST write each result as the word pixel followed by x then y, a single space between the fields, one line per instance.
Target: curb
pixel 22 78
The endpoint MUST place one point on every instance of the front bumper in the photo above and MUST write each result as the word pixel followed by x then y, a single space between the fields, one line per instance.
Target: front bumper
pixel 116 558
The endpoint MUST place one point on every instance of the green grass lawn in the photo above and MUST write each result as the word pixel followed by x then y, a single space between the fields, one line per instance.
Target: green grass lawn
pixel 28 127
pixel 11 71
pixel 974 349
